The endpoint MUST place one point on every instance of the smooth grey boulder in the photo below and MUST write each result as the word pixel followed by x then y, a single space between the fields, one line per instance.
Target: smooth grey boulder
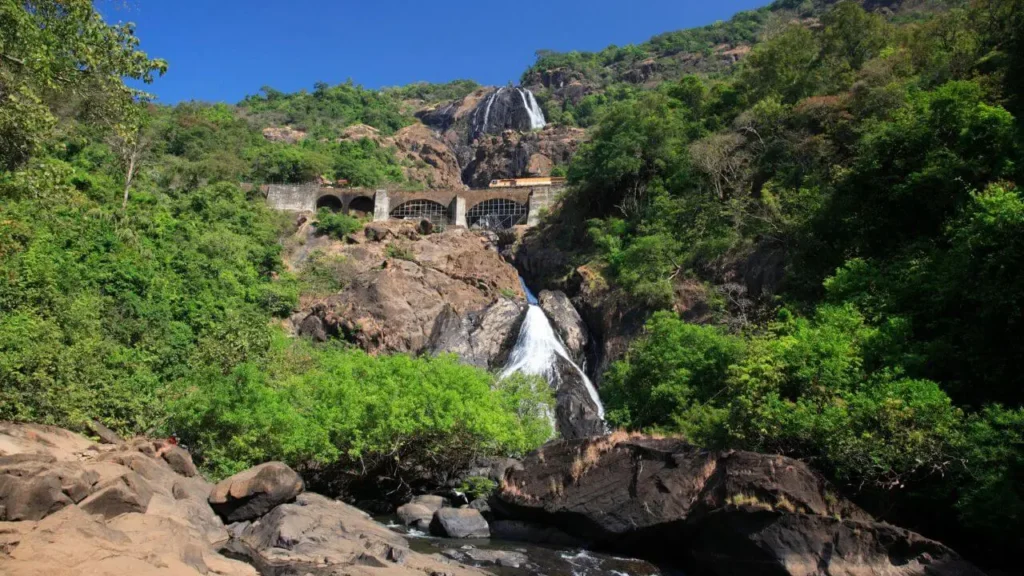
pixel 415 515
pixel 459 523
pixel 431 502
pixel 318 535
pixel 254 492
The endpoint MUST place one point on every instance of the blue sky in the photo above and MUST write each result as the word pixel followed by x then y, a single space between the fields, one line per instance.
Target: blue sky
pixel 221 50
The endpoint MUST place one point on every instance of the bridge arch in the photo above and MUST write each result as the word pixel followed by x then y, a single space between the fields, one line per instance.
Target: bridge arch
pixel 360 206
pixel 422 209
pixel 331 202
pixel 497 214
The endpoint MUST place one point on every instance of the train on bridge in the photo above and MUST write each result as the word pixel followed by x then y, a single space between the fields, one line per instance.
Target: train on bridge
pixel 527 182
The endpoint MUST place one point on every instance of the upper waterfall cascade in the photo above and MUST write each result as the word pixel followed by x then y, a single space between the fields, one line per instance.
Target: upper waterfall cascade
pixel 482 121
pixel 537 120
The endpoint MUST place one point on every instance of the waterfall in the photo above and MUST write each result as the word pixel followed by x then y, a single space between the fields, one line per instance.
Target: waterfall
pixel 538 348
pixel 487 111
pixel 537 120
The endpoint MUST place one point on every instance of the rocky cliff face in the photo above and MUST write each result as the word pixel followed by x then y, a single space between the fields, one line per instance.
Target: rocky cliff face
pixel 500 133
pixel 443 292
pixel 513 154
pixel 424 155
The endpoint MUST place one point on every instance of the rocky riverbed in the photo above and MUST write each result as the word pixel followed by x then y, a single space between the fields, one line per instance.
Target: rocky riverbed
pixel 587 507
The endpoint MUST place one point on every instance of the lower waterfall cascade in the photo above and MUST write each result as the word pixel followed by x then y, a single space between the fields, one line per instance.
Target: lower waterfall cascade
pixel 538 347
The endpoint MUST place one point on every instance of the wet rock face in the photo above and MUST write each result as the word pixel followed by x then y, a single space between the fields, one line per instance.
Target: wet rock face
pixel 716 512
pixel 503 109
pixel 566 321
pixel 481 338
pixel 576 415
pixel 491 135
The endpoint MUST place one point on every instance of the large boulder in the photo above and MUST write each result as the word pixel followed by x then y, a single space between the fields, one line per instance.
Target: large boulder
pixel 326 537
pixel 415 515
pixel 254 492
pixel 567 322
pixel 715 512
pixel 35 485
pixel 179 460
pixel 431 502
pixel 126 494
pixel 459 523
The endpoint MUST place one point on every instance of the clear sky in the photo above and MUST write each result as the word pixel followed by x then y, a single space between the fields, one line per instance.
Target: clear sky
pixel 222 50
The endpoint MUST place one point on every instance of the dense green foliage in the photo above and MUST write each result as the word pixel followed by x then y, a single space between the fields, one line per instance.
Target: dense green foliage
pixel 395 416
pixel 336 224
pixel 328 109
pixel 879 159
pixel 872 161
pixel 430 93
pixel 193 142
pixel 139 280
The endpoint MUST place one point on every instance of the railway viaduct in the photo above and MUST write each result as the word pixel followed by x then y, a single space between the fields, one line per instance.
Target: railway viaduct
pixel 489 208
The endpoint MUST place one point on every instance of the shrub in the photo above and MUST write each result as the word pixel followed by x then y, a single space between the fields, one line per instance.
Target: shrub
pixel 336 224
pixel 396 416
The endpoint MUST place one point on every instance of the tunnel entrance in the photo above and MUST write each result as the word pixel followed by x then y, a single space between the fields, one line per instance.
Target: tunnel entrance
pixel 496 214
pixel 332 203
pixel 422 210
pixel 361 206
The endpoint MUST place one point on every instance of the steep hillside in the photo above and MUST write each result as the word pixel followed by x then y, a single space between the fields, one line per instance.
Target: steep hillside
pixel 574 86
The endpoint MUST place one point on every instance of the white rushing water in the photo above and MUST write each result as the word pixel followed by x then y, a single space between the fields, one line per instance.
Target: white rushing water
pixel 487 110
pixel 537 120
pixel 538 348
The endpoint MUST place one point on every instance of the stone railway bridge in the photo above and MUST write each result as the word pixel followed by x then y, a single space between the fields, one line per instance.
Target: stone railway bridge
pixel 493 208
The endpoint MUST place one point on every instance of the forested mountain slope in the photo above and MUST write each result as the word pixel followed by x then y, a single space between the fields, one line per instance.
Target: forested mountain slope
pixel 840 212
pixel 814 207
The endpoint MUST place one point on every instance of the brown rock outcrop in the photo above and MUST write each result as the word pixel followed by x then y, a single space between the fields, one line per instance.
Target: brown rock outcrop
pixel 717 512
pixel 126 511
pixel 86 508
pixel 285 134
pixel 254 492
pixel 430 160
pixel 404 282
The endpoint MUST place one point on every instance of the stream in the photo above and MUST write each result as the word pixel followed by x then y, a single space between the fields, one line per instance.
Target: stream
pixel 507 558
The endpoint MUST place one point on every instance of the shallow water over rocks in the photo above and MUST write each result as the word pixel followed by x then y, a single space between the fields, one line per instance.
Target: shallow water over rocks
pixel 507 558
